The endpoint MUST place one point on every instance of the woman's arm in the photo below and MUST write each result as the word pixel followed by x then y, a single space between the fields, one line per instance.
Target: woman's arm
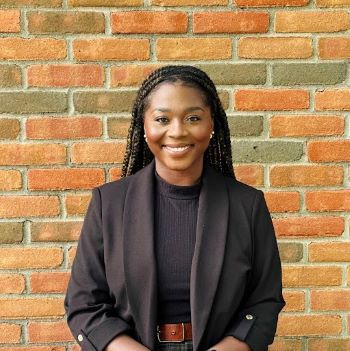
pixel 230 343
pixel 124 342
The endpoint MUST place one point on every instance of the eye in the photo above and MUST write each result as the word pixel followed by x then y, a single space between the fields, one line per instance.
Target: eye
pixel 193 118
pixel 161 119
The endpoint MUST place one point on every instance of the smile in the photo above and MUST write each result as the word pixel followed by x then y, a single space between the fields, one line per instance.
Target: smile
pixel 178 149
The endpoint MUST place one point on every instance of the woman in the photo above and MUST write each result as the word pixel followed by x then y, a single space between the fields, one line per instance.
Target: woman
pixel 178 254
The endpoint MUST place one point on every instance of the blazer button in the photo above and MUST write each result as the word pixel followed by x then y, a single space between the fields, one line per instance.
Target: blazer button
pixel 249 316
pixel 80 338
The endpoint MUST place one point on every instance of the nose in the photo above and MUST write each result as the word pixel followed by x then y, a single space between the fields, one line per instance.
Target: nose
pixel 177 129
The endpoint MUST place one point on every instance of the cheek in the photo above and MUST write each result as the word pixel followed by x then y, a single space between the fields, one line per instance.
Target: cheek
pixel 153 133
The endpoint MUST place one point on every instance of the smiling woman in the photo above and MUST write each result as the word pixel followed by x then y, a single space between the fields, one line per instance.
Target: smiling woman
pixel 177 255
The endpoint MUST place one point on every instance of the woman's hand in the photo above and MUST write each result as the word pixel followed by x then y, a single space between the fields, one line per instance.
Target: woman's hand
pixel 229 343
pixel 124 342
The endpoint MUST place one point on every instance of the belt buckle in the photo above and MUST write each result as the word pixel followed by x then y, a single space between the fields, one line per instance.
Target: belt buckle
pixel 183 334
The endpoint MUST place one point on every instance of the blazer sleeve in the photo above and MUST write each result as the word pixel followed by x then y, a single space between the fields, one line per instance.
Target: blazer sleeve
pixel 256 321
pixel 91 315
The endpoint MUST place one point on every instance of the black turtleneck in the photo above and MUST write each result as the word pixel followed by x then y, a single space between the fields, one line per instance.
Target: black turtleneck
pixel 176 209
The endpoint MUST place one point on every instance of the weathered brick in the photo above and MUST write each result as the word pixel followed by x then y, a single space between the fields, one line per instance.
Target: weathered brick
pixel 329 252
pixel 30 257
pixel 308 276
pixel 63 127
pixel 111 49
pixel 295 301
pixel 32 49
pixel 245 125
pixel 55 231
pixel 230 22
pixel 335 300
pixel 32 102
pixel 71 255
pixel 32 3
pixel 66 76
pixel 104 3
pixel 305 325
pixel 10 333
pixel 118 127
pixel 274 47
pixel 32 154
pixel 235 74
pixel 305 175
pixel 9 128
pixel 149 22
pixel 311 21
pixel 194 48
pixel 11 232
pixel 188 2
pixel 224 99
pixel 250 174
pixel 39 348
pixel 290 252
pixel 77 204
pixel 98 152
pixel 284 344
pixel 10 21
pixel 331 200
pixel 309 226
pixel 11 284
pixel 65 178
pixel 28 206
pixel 31 307
pixel 306 125
pixel 52 282
pixel 283 201
pixel 328 344
pixel 334 48
pixel 308 73
pixel 43 22
pixel 329 150
pixel 115 173
pixel 10 179
pixel 10 76
pixel 338 99
pixel 130 75
pixel 270 3
pixel 266 151
pixel 40 332
pixel 104 101
pixel 271 99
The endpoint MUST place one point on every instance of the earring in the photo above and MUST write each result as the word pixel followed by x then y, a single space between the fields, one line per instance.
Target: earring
pixel 211 134
pixel 145 137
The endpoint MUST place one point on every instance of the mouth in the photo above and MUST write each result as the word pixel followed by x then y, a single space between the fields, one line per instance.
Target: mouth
pixel 179 149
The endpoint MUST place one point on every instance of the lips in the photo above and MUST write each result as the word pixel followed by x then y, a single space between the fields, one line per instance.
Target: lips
pixel 177 149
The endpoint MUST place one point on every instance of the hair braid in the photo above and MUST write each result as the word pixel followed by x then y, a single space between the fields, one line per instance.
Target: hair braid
pixel 218 154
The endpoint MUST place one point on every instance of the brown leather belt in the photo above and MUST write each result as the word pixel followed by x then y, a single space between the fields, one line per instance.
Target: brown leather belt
pixel 174 332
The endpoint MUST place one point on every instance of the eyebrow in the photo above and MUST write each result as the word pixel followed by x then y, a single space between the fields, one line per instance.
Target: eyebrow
pixel 189 109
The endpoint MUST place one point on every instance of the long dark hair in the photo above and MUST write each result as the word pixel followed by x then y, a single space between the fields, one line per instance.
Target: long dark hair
pixel 218 154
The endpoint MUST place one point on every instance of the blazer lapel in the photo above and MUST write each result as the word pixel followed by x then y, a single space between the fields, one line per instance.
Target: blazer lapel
pixel 139 255
pixel 209 250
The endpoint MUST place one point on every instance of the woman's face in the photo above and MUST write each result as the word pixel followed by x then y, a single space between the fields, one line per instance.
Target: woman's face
pixel 177 124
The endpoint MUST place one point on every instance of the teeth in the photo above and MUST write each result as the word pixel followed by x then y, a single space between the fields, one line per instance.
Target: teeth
pixel 177 149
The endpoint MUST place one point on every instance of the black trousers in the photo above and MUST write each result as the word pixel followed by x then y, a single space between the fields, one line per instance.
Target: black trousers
pixel 174 346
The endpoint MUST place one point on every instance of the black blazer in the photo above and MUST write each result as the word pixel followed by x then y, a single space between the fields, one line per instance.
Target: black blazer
pixel 235 274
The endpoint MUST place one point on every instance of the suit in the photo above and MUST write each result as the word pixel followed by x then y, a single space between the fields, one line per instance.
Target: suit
pixel 235 286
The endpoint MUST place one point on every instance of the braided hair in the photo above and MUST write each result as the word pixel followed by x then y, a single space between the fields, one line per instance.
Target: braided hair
pixel 218 154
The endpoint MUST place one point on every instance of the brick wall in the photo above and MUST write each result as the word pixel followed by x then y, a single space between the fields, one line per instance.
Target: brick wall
pixel 69 70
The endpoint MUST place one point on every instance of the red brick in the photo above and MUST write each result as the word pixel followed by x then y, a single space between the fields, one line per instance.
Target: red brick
pixel 98 152
pixel 283 201
pixel 53 282
pixel 188 2
pixel 77 204
pixel 328 150
pixel 331 200
pixel 111 49
pixel 10 180
pixel 30 257
pixel 308 276
pixel 270 3
pixel 309 226
pixel 194 48
pixel 115 173
pixel 329 252
pixel 230 22
pixel 31 307
pixel 149 22
pixel 335 300
pixel 328 344
pixel 332 3
pixel 10 333
pixel 9 127
pixel 295 301
pixel 55 231
pixel 306 125
pixel 306 175
pixel 275 47
pixel 63 127
pixel 62 178
pixel 309 325
pixel 104 3
pixel 11 284
pixel 32 154
pixel 32 49
pixel 29 206
pixel 66 76
pixel 334 48
pixel 32 3
pixel 250 174
pixel 71 255
pixel 283 344
pixel 338 99
pixel 36 348
pixel 10 21
pixel 271 99
pixel 49 332
pixel 311 21
pixel 118 127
